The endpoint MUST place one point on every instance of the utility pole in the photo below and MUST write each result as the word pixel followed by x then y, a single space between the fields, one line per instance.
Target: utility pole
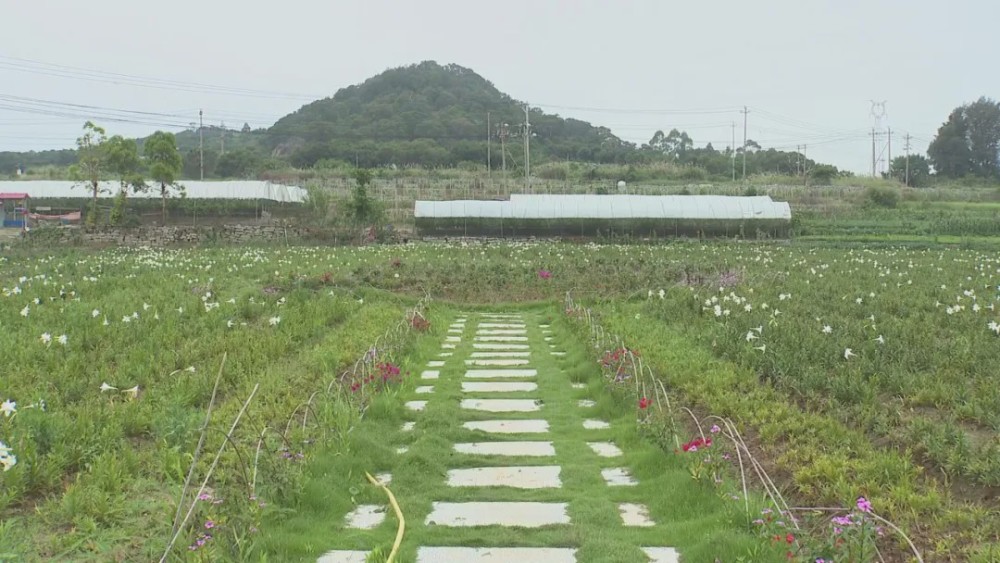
pixel 888 166
pixel 489 148
pixel 907 148
pixel 503 134
pixel 733 159
pixel 527 151
pixel 798 160
pixel 745 112
pixel 222 137
pixel 873 152
pixel 201 145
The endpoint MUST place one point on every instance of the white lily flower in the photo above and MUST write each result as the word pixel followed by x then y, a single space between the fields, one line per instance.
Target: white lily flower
pixel 8 408
pixel 106 387
pixel 848 353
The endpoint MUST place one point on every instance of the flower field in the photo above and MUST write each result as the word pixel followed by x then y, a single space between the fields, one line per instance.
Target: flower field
pixel 855 372
pixel 110 361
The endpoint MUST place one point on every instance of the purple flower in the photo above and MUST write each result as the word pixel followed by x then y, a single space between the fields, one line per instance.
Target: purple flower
pixel 204 496
pixel 209 524
pixel 758 522
pixel 715 429
pixel 864 505
pixel 842 520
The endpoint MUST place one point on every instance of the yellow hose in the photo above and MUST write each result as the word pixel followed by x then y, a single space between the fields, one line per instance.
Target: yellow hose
pixel 399 515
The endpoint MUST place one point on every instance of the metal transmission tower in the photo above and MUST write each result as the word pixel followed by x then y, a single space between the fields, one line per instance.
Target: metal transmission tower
pixel 881 139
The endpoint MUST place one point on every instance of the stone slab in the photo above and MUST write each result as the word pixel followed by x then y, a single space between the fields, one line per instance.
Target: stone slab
pixel 366 516
pixel 500 373
pixel 501 332
pixel 519 477
pixel 618 477
pixel 449 346
pixel 343 556
pixel 437 363
pixel 500 354
pixel 605 449
pixel 384 478
pixel 430 374
pixel 548 339
pixel 501 338
pixel 416 405
pixel 490 346
pixel 558 353
pixel 503 325
pixel 408 426
pixel 402 450
pixel 424 389
pixel 636 515
pixel 662 554
pixel 486 362
pixel 508 426
pixel 591 424
pixel 452 338
pixel 511 514
pixel 513 449
pixel 583 403
pixel 496 555
pixel 579 386
pixel 544 326
pixel 501 405
pixel 498 386
pixel 455 331
pixel 445 355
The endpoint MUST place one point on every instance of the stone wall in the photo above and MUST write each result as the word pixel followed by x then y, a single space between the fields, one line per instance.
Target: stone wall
pixel 178 235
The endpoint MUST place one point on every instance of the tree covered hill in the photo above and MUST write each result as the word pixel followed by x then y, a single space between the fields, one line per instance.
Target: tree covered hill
pixel 433 115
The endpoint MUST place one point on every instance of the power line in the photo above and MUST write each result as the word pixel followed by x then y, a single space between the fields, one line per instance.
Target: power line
pixel 64 71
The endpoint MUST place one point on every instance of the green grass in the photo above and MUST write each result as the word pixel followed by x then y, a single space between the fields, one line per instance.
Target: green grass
pixel 689 516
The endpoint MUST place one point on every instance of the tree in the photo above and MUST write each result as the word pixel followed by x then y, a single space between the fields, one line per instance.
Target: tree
pixel 242 163
pixel 123 161
pixel 969 142
pixel 916 174
pixel 362 208
pixel 982 118
pixel 822 174
pixel 165 165
pixel 91 164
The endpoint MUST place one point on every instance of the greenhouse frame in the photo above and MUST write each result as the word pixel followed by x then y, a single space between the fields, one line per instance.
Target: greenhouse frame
pixel 607 215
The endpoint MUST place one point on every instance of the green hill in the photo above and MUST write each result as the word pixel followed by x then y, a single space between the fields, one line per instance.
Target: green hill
pixel 431 115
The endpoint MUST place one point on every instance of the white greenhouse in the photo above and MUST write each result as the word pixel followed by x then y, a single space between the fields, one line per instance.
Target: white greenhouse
pixel 607 215
pixel 232 190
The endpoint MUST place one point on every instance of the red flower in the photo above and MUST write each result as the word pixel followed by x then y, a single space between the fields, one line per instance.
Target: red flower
pixel 643 403
pixel 790 539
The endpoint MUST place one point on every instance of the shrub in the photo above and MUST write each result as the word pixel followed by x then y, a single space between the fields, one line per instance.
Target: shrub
pixel 882 197
pixel 822 174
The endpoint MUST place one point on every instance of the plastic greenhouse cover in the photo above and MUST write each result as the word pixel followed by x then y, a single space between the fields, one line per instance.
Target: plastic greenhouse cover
pixel 528 206
pixel 241 189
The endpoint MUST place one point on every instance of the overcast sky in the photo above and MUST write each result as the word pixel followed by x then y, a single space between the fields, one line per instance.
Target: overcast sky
pixel 807 69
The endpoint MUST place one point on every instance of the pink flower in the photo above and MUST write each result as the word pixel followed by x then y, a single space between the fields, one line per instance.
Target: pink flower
pixel 544 274
pixel 864 505
pixel 209 524
pixel 715 429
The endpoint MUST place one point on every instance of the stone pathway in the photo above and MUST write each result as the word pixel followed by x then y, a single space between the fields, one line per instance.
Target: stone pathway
pixel 500 359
